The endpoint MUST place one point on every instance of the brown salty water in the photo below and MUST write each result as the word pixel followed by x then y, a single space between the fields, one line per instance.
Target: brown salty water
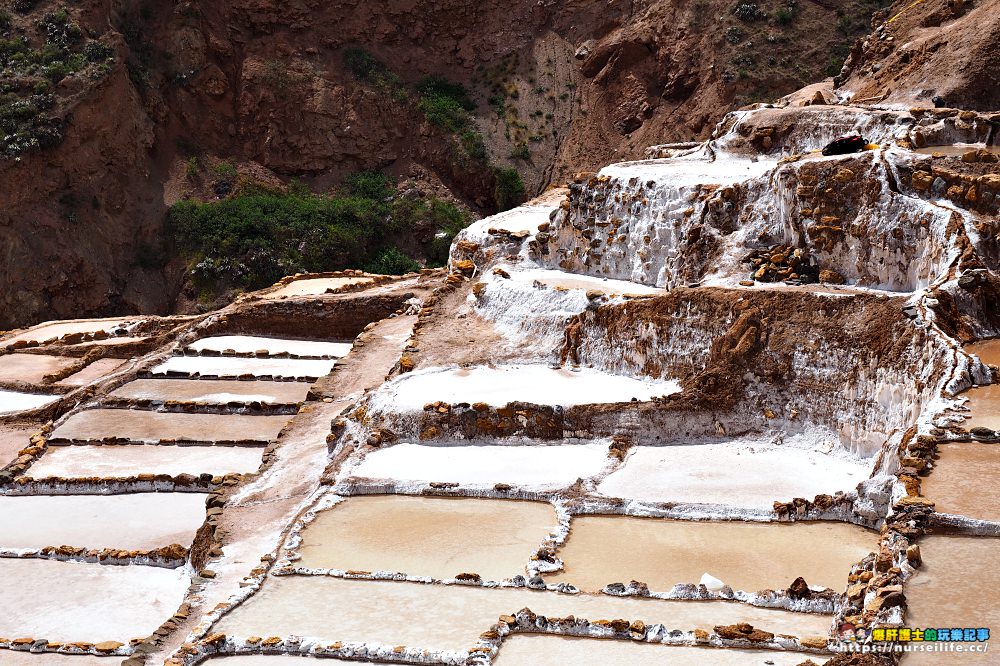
pixel 147 426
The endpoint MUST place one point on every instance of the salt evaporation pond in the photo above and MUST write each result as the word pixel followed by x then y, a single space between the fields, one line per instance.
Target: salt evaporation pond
pixel 733 474
pixel 13 438
pixel 527 465
pixel 32 368
pixel 954 587
pixel 451 617
pixel 145 426
pixel 746 556
pixel 988 351
pixel 423 536
pixel 135 521
pixel 117 461
pixel 277 660
pixel 12 658
pixel 57 329
pixel 96 370
pixel 213 391
pixel 316 286
pixel 957 149
pixel 15 401
pixel 503 384
pixel 228 366
pixel 534 649
pixel 248 344
pixel 73 601
pixel 523 219
pixel 964 480
pixel 984 407
pixel 564 280
pixel 690 171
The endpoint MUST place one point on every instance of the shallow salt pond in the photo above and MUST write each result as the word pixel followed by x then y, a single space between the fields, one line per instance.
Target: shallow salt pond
pixel 520 219
pixel 112 460
pixel 72 601
pixel 731 474
pixel 12 658
pixel 31 368
pixel 15 401
pixel 988 351
pixel 562 279
pixel 145 426
pixel 316 286
pixel 227 366
pixel 248 344
pixel 691 171
pixel 424 536
pixel 96 370
pixel 533 649
pixel 746 556
pixel 57 329
pixel 545 466
pixel 954 587
pixel 213 391
pixel 275 660
pixel 135 521
pixel 501 385
pixel 13 438
pixel 964 480
pixel 451 617
pixel 984 407
pixel 957 149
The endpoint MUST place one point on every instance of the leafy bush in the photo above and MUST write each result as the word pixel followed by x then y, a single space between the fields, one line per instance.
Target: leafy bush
pixel 521 151
pixel 373 185
pixel 734 34
pixel 784 15
pixel 5 18
pixel 509 190
pixel 749 12
pixel 225 170
pixel 369 69
pixel 392 261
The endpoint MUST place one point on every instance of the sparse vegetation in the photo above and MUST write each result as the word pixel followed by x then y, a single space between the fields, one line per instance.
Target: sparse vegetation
pixel 509 190
pixel 367 68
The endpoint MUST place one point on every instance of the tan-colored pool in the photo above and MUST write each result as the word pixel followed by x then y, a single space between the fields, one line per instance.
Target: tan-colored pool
pixel 964 480
pixel 530 650
pixel 957 149
pixel 213 391
pixel 93 372
pixel 745 556
pixel 955 587
pixel 988 351
pixel 11 658
pixel 424 536
pixel 72 601
pixel 113 460
pixel 984 407
pixel 451 617
pixel 146 426
pixel 316 286
pixel 139 521
pixel 13 438
pixel 32 368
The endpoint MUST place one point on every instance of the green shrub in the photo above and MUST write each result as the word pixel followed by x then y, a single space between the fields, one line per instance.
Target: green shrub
pixel 225 170
pixel 369 185
pixel 521 151
pixel 392 261
pixel 5 18
pixel 784 16
pixel 369 69
pixel 509 190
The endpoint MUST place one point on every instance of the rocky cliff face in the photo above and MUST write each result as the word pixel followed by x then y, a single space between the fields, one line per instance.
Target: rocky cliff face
pixel 557 87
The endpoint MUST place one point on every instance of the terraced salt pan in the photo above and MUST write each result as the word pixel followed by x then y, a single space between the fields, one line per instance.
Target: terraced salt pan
pixel 957 149
pixel 964 480
pixel 691 171
pixel 139 521
pixel 954 587
pixel 13 438
pixel 93 372
pixel 562 279
pixel 746 474
pixel 424 536
pixel 501 385
pixel 984 407
pixel 11 658
pixel 72 601
pixel 57 329
pixel 213 391
pixel 451 617
pixel 988 351
pixel 276 660
pixel 746 556
pixel 316 286
pixel 527 465
pixel 146 426
pixel 248 344
pixel 530 650
pixel 15 401
pixel 520 219
pixel 31 367
pixel 116 461
pixel 225 366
